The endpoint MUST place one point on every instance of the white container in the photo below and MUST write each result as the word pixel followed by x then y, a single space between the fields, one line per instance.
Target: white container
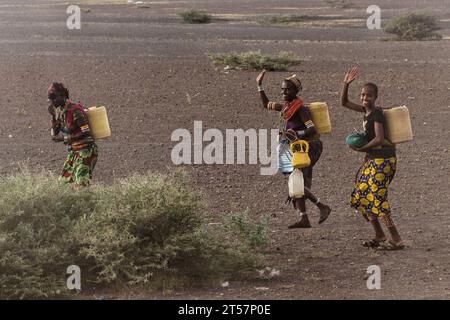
pixel 296 184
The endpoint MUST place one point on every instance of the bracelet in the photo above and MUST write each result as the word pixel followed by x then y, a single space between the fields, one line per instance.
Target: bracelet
pixel 260 88
pixel 301 133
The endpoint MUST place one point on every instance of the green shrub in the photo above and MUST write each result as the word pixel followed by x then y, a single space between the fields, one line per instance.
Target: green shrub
pixel 242 228
pixel 254 60
pixel 36 216
pixel 130 234
pixel 194 16
pixel 145 230
pixel 414 26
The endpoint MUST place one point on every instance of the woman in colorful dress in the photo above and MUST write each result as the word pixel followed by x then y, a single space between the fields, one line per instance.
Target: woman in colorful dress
pixel 296 123
pixel 370 195
pixel 70 125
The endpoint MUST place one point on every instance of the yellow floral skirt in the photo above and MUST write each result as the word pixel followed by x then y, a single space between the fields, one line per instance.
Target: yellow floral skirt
pixel 370 195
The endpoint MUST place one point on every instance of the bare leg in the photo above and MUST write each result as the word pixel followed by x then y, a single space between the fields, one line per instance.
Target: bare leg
pixel 379 233
pixel 323 208
pixel 396 240
pixel 300 205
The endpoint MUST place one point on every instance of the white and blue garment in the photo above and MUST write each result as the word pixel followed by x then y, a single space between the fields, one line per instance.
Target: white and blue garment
pixel 284 157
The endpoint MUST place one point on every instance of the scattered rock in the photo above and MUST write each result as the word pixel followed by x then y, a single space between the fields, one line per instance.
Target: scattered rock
pixel 274 273
pixel 268 273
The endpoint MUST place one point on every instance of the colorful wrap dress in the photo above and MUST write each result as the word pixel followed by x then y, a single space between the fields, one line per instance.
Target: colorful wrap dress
pixel 370 195
pixel 82 154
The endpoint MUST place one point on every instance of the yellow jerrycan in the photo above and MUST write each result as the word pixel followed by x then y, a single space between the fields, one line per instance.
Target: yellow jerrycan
pixel 296 184
pixel 320 116
pixel 300 157
pixel 398 124
pixel 98 122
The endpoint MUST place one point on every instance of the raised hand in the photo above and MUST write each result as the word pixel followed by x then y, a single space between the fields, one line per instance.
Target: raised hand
pixel 260 77
pixel 351 75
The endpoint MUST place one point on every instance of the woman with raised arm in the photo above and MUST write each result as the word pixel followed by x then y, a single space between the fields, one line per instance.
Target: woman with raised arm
pixel 296 123
pixel 370 195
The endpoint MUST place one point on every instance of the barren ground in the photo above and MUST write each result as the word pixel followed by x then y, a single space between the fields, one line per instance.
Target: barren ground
pixel 152 73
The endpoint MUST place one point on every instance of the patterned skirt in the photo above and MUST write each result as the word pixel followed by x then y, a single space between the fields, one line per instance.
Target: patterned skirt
pixel 370 196
pixel 79 166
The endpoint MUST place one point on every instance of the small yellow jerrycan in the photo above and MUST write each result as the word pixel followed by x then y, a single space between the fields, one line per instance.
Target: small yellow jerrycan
pixel 300 157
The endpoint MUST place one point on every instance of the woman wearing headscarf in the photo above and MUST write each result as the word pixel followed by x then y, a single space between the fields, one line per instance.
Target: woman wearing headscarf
pixel 70 125
pixel 296 123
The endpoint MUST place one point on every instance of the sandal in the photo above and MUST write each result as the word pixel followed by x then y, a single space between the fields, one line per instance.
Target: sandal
pixel 391 247
pixel 373 243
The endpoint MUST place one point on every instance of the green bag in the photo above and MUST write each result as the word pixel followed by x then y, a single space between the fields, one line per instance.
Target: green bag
pixel 357 139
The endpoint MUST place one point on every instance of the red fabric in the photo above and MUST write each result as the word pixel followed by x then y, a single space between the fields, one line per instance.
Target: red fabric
pixel 290 108
pixel 73 127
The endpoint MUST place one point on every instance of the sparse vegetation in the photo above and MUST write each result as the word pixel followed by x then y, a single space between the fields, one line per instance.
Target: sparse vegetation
pixel 255 60
pixel 240 226
pixel 145 230
pixel 287 19
pixel 343 4
pixel 194 16
pixel 414 26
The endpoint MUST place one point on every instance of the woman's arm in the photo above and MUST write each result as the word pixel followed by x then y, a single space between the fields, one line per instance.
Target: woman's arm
pixel 310 130
pixel 259 81
pixel 375 142
pixel 265 100
pixel 349 77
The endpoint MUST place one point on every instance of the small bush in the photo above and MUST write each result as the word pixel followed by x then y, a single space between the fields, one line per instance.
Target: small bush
pixel 145 230
pixel 36 218
pixel 194 16
pixel 414 26
pixel 254 60
pixel 242 228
